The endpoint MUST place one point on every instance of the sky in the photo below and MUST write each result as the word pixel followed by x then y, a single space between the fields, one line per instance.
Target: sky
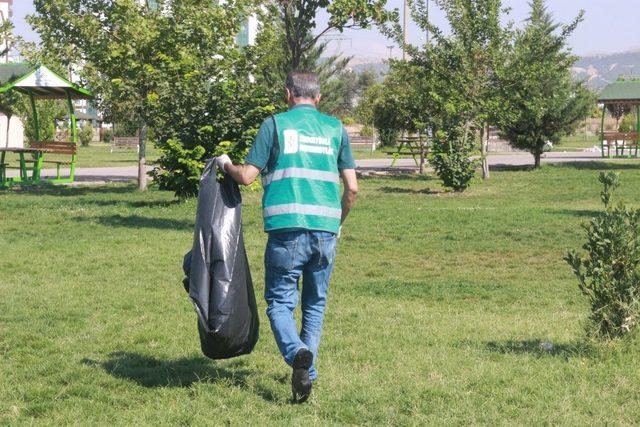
pixel 610 26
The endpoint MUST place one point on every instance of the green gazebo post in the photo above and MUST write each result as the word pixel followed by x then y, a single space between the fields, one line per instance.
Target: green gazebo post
pixel 40 82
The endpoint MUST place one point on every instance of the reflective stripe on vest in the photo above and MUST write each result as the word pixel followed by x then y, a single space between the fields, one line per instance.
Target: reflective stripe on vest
pixel 297 208
pixel 316 175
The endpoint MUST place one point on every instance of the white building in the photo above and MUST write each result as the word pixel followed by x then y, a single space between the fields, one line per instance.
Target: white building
pixel 15 138
pixel 248 31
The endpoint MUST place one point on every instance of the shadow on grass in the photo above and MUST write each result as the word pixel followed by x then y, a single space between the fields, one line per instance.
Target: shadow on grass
pixel 511 168
pixel 398 175
pixel 601 165
pixel 66 191
pixel 135 203
pixel 136 221
pixel 539 348
pixel 150 372
pixel 580 213
pixel 401 190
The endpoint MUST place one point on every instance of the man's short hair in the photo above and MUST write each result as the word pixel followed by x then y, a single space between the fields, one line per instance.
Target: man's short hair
pixel 303 84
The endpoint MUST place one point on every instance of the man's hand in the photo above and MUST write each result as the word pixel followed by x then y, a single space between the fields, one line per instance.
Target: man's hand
pixel 222 161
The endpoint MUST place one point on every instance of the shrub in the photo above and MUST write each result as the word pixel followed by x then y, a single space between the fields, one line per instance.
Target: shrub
pixel 348 121
pixel 107 135
pixel 366 132
pixel 628 124
pixel 609 274
pixel 85 135
pixel 451 158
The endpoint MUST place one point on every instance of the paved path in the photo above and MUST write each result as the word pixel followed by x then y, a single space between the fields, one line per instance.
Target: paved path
pixel 495 160
pixel 129 173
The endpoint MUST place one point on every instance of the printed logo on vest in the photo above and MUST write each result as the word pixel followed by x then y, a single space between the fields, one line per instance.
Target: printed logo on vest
pixel 294 142
pixel 291 139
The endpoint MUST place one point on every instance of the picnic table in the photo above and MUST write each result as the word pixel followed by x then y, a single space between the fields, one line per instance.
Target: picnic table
pixel 36 152
pixel 414 146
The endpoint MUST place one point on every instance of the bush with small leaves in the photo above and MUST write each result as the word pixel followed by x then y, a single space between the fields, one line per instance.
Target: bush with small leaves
pixel 609 274
pixel 85 135
pixel 451 158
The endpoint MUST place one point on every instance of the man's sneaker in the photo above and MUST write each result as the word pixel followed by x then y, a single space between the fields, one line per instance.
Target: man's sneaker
pixel 300 381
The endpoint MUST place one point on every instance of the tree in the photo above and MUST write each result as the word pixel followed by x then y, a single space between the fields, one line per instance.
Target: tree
pixel 131 54
pixel 539 101
pixel 618 111
pixel 461 65
pixel 299 21
pixel 392 107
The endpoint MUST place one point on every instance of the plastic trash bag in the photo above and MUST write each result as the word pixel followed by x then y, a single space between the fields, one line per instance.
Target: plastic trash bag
pixel 218 278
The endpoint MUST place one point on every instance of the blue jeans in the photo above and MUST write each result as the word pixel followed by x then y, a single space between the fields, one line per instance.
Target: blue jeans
pixel 288 256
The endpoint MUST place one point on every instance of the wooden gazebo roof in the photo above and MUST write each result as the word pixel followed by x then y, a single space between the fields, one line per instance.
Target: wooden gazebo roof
pixel 621 92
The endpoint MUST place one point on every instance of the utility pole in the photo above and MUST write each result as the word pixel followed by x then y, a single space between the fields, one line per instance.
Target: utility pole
pixel 404 30
pixel 390 47
pixel 428 21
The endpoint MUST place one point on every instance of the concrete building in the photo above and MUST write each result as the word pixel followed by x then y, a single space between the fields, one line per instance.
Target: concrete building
pixel 248 31
pixel 6 9
pixel 15 137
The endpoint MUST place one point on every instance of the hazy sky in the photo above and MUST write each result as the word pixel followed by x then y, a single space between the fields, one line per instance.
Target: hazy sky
pixel 610 26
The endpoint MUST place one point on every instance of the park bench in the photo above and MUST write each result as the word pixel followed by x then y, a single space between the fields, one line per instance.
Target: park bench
pixel 57 148
pixel 620 141
pixel 358 141
pixel 124 143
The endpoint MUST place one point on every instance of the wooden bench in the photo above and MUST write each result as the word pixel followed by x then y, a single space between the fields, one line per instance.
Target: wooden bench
pixel 620 141
pixel 357 141
pixel 58 147
pixel 125 142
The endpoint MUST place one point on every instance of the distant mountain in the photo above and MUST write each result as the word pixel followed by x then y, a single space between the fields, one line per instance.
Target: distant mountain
pixel 600 70
pixel 596 70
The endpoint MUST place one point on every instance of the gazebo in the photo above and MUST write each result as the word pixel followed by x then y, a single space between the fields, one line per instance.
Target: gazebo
pixel 626 95
pixel 39 82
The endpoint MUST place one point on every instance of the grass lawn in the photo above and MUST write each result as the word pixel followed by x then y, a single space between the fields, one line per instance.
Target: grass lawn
pixel 100 155
pixel 437 308
pixel 577 142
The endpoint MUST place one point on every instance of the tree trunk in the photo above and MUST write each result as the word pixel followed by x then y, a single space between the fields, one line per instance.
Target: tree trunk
pixel 484 148
pixel 537 155
pixel 142 170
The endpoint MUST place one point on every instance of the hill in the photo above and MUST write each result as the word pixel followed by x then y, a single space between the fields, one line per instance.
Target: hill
pixel 600 70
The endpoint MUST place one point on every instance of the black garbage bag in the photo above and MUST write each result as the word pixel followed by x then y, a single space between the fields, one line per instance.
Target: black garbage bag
pixel 218 278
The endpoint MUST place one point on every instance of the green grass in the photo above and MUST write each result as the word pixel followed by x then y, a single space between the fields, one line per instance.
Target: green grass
pixel 99 155
pixel 577 142
pixel 437 308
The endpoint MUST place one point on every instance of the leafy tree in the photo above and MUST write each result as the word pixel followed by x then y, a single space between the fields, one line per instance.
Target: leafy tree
pixel 392 106
pixel 618 111
pixel 48 112
pixel 540 102
pixel 452 83
pixel 131 54
pixel 299 21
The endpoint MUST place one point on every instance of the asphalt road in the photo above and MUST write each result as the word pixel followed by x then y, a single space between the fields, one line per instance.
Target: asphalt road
pixel 128 173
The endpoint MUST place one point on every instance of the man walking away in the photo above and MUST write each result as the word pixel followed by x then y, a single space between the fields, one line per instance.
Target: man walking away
pixel 301 155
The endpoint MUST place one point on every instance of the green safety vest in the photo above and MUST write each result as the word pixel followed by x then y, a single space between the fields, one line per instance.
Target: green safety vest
pixel 302 190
